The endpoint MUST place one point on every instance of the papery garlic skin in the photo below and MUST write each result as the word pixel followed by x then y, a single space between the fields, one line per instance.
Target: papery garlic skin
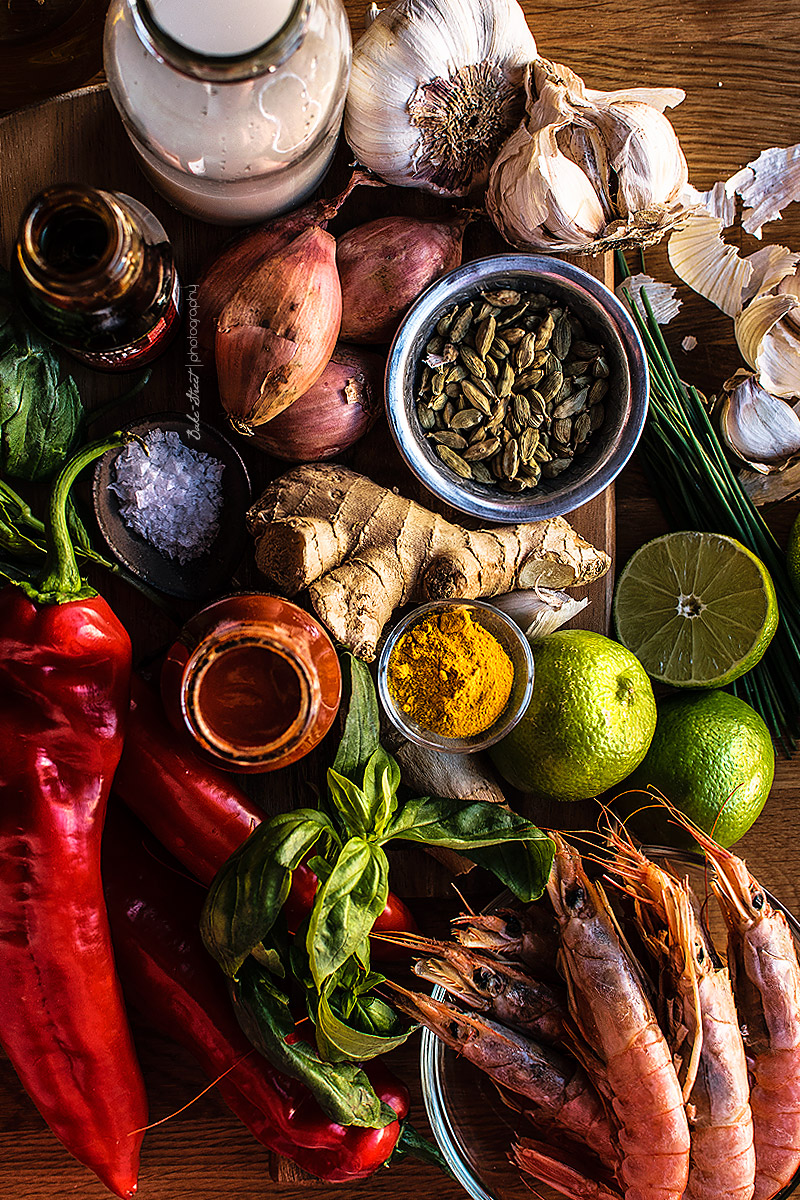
pixel 539 611
pixel 768 336
pixel 757 426
pixel 627 184
pixel 435 88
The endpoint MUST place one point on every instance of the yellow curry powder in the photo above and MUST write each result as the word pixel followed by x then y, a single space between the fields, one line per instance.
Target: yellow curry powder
pixel 451 675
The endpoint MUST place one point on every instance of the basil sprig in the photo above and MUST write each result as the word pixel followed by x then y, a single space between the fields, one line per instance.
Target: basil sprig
pixel 329 957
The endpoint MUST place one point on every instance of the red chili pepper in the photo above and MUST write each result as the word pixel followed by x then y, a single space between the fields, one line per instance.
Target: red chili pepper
pixel 65 665
pixel 167 973
pixel 201 816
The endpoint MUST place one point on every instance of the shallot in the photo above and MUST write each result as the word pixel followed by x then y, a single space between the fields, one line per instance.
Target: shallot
pixel 335 412
pixel 276 334
pixel 385 264
pixel 229 269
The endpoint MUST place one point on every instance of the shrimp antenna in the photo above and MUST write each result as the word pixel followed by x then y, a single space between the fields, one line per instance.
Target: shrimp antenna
pixel 463 900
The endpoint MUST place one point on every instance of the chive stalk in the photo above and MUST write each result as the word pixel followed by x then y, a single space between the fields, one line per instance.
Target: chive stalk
pixel 691 477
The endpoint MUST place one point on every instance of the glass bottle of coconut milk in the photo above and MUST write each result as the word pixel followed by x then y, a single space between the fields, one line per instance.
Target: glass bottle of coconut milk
pixel 234 106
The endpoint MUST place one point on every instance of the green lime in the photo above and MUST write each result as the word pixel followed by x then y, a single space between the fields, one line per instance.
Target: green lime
pixel 712 757
pixel 793 555
pixel 589 722
pixel 697 609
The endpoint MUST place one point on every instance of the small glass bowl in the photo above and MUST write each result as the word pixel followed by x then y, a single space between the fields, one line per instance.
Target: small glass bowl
pixel 516 646
pixel 474 1128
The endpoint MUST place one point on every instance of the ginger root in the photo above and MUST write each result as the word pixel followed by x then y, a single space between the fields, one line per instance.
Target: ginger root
pixel 362 550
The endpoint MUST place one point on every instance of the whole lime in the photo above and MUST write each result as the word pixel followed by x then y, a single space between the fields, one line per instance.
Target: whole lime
pixel 712 757
pixel 589 722
pixel 793 555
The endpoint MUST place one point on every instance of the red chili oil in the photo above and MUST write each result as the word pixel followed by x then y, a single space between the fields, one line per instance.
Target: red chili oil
pixel 249 697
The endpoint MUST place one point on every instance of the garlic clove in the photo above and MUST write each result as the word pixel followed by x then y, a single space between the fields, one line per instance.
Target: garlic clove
pixel 761 429
pixel 434 92
pixel 771 265
pixel 767 185
pixel 662 296
pixel 643 150
pixel 539 611
pixel 770 344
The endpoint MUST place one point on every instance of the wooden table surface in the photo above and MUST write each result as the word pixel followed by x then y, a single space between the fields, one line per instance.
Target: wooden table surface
pixel 738 63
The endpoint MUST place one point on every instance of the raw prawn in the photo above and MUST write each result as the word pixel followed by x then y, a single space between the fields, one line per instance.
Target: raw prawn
pixel 499 989
pixel 766 984
pixel 722 1158
pixel 558 1086
pixel 624 1048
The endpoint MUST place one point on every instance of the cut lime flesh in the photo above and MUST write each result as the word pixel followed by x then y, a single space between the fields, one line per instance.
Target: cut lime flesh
pixel 697 609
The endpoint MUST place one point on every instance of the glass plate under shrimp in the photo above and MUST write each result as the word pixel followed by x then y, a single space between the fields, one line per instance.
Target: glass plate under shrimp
pixel 474 1127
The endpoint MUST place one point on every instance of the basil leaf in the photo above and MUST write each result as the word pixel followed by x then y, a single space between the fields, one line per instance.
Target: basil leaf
pixel 343 1091
pixel 439 822
pixel 347 904
pixel 522 867
pixel 381 781
pixel 249 891
pixel 340 1041
pixel 361 728
pixel 351 802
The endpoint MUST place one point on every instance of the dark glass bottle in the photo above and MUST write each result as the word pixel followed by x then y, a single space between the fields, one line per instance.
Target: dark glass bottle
pixel 94 271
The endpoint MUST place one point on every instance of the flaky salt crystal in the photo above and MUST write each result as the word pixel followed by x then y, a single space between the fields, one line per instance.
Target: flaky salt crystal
pixel 170 494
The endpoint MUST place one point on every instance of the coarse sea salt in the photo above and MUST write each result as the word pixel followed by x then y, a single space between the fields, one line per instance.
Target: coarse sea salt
pixel 170 494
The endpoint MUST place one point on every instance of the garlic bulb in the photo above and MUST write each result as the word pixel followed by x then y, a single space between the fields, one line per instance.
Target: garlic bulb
pixel 588 170
pixel 435 88
pixel 761 429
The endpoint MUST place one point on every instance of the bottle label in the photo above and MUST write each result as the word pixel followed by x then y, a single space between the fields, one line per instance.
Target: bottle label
pixel 144 349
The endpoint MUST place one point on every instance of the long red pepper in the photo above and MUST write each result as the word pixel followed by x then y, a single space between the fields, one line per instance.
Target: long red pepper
pixel 155 912
pixel 65 664
pixel 200 814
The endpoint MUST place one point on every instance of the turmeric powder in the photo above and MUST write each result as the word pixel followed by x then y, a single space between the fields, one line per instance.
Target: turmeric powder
pixel 451 675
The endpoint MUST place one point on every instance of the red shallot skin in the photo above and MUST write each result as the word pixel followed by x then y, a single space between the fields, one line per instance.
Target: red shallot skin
pixel 333 414
pixel 385 264
pixel 223 277
pixel 276 334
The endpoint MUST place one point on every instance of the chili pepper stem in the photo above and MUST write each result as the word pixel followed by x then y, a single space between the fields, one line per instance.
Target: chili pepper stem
pixel 62 580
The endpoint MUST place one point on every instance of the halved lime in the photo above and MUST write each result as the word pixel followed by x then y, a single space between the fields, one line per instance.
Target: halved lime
pixel 697 609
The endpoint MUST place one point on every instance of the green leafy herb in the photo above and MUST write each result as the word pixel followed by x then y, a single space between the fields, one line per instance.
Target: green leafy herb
pixel 347 906
pixel 329 957
pixel 342 1089
pixel 246 896
pixel 40 412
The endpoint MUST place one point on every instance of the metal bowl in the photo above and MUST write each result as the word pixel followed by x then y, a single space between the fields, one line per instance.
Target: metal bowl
pixel 475 1130
pixel 516 646
pixel 626 402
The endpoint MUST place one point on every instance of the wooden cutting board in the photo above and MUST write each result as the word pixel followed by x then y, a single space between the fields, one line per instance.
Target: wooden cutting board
pixel 205 1152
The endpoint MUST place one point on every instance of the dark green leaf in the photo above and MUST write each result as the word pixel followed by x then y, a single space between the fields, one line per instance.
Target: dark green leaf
pixel 522 867
pixel 412 1142
pixel 248 893
pixel 342 1090
pixel 341 1041
pixel 347 904
pixel 350 801
pixel 453 823
pixel 361 728
pixel 381 781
